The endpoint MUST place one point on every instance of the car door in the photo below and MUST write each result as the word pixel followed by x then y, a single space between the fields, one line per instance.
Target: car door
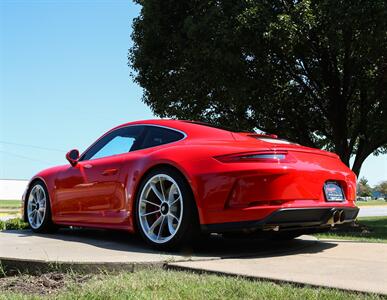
pixel 86 193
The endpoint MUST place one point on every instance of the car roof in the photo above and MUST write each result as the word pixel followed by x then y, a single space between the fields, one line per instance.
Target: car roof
pixel 192 129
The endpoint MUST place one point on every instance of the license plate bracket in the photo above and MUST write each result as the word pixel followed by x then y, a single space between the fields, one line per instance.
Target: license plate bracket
pixel 333 192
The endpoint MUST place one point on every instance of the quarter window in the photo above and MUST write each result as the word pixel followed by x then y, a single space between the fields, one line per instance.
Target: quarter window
pixel 156 136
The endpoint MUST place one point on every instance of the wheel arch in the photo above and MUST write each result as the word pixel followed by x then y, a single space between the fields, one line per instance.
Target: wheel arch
pixel 28 189
pixel 168 166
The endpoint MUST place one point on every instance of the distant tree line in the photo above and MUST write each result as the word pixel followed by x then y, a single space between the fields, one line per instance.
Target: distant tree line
pixel 365 190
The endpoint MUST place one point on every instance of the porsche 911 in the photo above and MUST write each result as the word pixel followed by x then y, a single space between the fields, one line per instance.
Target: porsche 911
pixel 172 180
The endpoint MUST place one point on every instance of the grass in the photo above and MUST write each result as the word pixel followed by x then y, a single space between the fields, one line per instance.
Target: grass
pixel 9 213
pixel 372 203
pixel 370 229
pixel 10 204
pixel 13 224
pixel 2 271
pixel 163 284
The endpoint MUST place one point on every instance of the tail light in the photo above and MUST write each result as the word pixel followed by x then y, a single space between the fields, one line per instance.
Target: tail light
pixel 267 156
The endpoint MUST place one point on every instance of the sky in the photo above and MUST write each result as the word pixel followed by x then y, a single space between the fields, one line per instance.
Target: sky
pixel 64 81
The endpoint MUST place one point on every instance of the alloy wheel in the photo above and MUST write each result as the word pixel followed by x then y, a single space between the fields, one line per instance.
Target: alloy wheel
pixel 160 208
pixel 36 206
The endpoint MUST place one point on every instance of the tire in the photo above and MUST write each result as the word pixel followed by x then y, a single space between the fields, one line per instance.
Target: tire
pixel 38 209
pixel 165 210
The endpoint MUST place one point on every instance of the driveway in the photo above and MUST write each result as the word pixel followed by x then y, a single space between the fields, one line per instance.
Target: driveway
pixel 100 246
pixel 338 264
pixel 344 265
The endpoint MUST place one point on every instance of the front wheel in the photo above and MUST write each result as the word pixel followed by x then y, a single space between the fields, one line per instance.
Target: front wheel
pixel 38 210
pixel 165 210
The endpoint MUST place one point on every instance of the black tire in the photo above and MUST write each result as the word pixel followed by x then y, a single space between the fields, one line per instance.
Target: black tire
pixel 47 226
pixel 188 230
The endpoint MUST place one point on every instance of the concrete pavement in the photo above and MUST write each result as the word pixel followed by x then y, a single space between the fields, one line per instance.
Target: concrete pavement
pixel 347 265
pixel 337 264
pixel 98 246
pixel 79 246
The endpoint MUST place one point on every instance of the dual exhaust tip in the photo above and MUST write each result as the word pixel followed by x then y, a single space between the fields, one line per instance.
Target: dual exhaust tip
pixel 338 217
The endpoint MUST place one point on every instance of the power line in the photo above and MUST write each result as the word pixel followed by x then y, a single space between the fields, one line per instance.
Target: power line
pixel 32 146
pixel 26 157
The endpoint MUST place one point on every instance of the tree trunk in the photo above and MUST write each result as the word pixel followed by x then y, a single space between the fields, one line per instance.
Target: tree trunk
pixel 345 158
pixel 359 159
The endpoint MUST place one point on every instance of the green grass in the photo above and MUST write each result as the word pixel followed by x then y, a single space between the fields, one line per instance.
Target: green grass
pixel 371 203
pixel 377 231
pixel 7 212
pixel 10 204
pixel 161 284
pixel 13 224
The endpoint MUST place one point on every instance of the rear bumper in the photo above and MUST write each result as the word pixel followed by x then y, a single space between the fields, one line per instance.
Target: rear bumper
pixel 288 219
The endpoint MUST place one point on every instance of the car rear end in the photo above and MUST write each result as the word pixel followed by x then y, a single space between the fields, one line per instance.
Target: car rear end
pixel 275 185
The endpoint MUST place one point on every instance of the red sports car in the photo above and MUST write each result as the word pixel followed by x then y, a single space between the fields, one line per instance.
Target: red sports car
pixel 170 180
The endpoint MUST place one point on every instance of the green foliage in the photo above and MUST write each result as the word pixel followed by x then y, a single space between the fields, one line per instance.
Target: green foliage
pixel 381 187
pixel 363 188
pixel 5 204
pixel 371 203
pixel 13 224
pixel 311 71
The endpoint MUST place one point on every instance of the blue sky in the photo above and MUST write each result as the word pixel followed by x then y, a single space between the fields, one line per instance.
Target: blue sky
pixel 64 81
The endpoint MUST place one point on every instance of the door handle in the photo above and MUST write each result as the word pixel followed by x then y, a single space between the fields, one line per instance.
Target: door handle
pixel 108 172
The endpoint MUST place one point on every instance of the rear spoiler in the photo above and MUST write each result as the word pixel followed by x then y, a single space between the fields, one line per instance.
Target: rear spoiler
pixel 258 135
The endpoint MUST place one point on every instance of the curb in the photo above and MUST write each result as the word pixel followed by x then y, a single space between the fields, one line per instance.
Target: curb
pixel 34 267
pixel 173 267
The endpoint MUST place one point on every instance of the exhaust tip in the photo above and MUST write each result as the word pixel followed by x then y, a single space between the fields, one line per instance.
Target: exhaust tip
pixel 336 216
pixel 342 216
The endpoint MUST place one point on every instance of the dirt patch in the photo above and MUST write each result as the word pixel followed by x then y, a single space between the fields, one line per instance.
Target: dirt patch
pixel 43 284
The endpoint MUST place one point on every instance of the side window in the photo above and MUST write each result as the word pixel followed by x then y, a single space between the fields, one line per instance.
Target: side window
pixel 119 141
pixel 156 136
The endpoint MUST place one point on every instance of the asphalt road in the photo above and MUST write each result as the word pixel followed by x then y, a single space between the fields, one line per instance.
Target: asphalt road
pixel 373 211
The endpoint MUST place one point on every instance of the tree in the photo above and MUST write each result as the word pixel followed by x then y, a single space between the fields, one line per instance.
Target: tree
pixel 363 188
pixel 314 72
pixel 381 187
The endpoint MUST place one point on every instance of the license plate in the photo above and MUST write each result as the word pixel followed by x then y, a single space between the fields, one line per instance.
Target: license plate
pixel 333 192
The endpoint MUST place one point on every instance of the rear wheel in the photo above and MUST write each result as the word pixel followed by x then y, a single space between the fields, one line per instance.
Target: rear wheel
pixel 165 210
pixel 38 210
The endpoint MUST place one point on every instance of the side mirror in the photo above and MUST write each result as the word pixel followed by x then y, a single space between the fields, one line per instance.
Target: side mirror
pixel 72 156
